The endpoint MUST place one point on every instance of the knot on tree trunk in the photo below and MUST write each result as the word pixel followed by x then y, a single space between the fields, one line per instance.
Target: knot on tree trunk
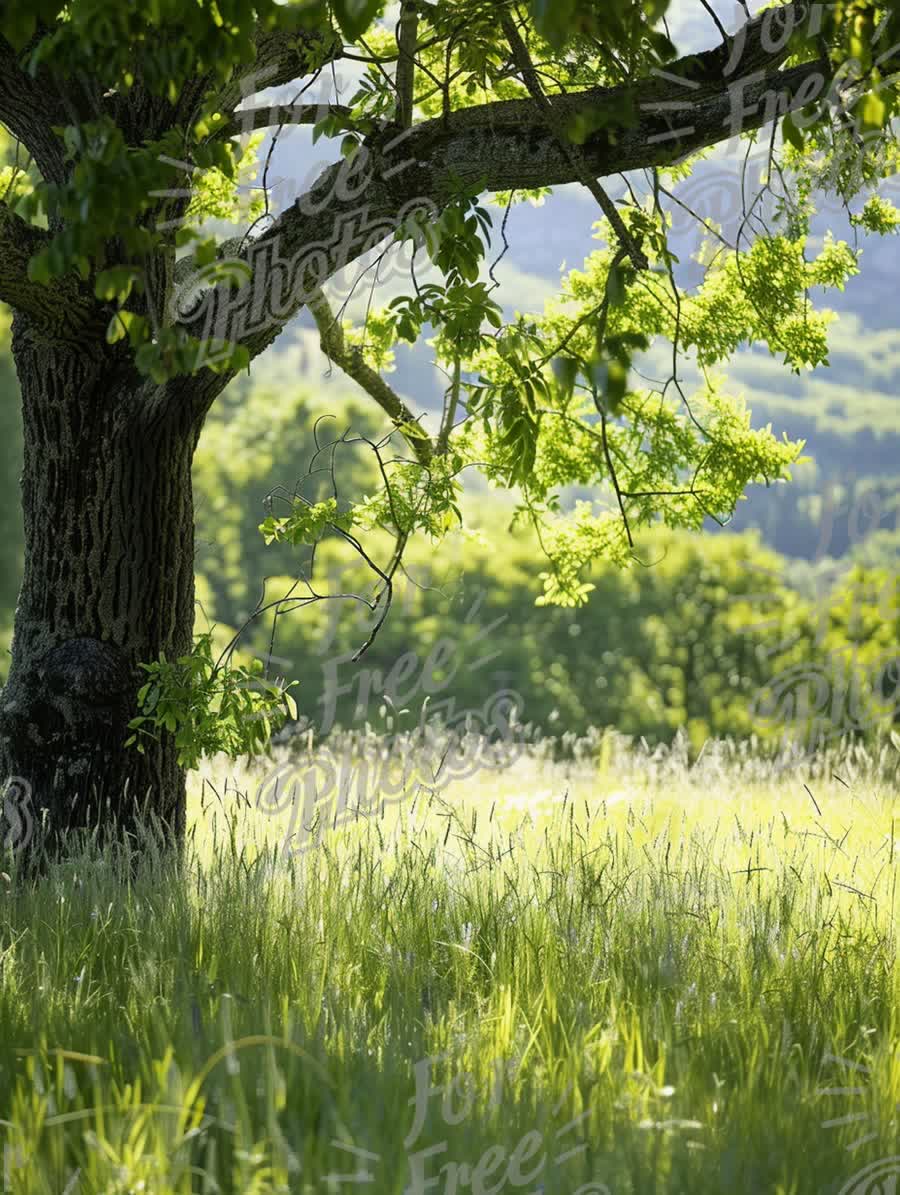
pixel 81 699
pixel 86 672
pixel 85 693
pixel 80 682
pixel 81 685
pixel 63 724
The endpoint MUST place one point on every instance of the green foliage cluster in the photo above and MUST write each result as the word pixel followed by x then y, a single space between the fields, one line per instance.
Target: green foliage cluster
pixel 550 402
pixel 124 194
pixel 210 705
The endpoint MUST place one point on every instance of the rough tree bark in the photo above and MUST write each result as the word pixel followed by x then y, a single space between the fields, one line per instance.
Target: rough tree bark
pixel 108 515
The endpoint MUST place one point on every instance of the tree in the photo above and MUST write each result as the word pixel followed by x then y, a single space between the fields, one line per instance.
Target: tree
pixel 134 124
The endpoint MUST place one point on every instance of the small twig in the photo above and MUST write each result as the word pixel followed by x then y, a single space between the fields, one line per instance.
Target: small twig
pixel 450 413
pixel 612 473
pixel 718 24
pixel 530 77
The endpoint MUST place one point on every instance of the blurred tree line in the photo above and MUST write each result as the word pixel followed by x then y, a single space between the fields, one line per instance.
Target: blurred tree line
pixel 709 637
pixel 718 633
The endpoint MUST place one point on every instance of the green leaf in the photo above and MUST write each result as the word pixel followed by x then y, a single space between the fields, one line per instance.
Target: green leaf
pixel 355 16
pixel 116 329
pixel 205 252
pixel 127 323
pixel 792 134
pixel 873 111
pixel 39 268
pixel 116 283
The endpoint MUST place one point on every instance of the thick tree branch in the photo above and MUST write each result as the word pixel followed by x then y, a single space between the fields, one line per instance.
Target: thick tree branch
pixel 30 108
pixel 356 205
pixel 505 156
pixel 350 359
pixel 685 86
pixel 248 120
pixel 62 306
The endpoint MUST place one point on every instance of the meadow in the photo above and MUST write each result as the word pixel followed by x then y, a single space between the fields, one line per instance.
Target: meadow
pixel 597 969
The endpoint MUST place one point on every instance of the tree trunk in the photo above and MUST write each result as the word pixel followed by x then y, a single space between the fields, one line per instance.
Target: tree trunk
pixel 108 584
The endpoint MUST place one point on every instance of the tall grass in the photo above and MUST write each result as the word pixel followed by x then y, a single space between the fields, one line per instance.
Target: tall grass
pixel 629 975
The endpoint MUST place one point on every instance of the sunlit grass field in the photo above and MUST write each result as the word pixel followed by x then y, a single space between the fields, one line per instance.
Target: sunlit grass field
pixel 618 973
